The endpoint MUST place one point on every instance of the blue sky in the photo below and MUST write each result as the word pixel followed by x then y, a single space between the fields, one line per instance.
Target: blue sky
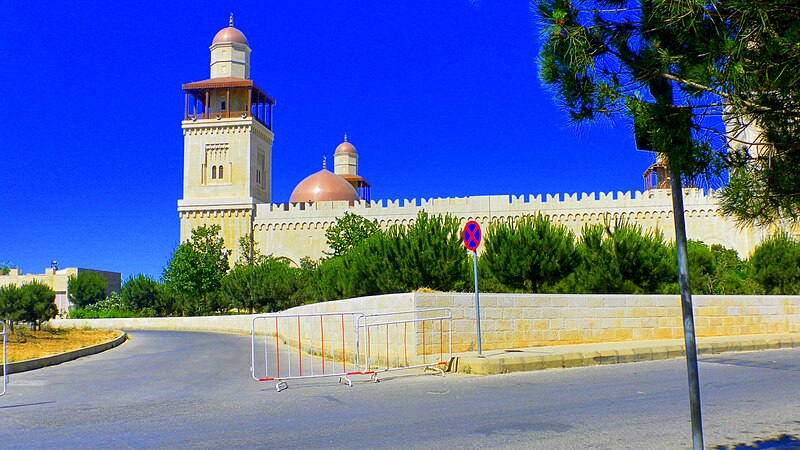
pixel 440 98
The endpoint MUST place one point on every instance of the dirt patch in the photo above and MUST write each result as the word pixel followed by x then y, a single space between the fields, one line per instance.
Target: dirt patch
pixel 25 344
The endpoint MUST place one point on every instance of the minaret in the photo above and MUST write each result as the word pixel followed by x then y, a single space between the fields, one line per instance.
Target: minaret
pixel 227 128
pixel 345 164
pixel 345 159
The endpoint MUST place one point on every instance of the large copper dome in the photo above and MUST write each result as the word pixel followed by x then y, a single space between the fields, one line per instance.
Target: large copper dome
pixel 323 186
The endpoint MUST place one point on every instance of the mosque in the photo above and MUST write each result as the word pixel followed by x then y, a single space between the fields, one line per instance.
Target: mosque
pixel 227 174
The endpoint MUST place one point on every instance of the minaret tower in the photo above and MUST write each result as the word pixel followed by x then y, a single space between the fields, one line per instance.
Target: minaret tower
pixel 227 154
pixel 345 164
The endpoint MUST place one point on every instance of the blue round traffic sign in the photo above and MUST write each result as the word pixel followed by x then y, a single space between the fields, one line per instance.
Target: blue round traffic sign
pixel 471 235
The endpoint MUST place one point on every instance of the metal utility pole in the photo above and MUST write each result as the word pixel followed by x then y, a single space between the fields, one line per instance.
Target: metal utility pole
pixel 662 91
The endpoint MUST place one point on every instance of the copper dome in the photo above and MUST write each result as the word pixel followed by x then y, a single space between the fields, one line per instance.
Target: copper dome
pixel 345 147
pixel 229 34
pixel 323 186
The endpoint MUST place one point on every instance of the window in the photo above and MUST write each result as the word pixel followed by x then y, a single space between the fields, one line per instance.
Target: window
pixel 222 106
pixel 220 172
pixel 213 172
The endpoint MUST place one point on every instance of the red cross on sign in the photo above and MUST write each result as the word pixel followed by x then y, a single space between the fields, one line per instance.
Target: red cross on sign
pixel 471 235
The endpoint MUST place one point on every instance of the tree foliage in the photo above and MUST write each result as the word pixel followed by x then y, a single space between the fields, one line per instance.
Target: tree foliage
pixel 775 265
pixel 730 61
pixel 10 311
pixel 194 274
pixel 5 267
pixel 427 253
pixel 529 252
pixel 86 288
pixel 36 304
pixel 249 254
pixel 267 287
pixel 348 231
pixel 140 292
pixel 621 259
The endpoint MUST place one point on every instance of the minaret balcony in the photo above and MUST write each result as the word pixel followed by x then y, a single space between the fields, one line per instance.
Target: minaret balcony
pixel 212 100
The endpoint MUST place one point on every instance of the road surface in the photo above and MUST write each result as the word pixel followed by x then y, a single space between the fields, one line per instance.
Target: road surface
pixel 173 389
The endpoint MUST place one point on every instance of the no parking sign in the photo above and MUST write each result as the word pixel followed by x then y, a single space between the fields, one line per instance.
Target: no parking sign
pixel 471 235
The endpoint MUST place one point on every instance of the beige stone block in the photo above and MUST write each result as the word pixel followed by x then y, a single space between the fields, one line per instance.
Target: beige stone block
pixel 664 333
pixel 649 322
pixel 623 334
pixel 608 323
pixel 505 325
pixel 541 324
pixel 568 336
pixel 549 312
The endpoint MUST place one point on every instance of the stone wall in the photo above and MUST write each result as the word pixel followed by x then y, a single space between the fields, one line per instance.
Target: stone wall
pixel 293 231
pixel 527 320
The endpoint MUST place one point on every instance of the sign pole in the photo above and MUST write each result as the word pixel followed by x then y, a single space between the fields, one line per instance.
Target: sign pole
pixel 477 300
pixel 471 234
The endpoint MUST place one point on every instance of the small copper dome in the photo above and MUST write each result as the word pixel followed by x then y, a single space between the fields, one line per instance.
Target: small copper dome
pixel 323 186
pixel 229 34
pixel 345 147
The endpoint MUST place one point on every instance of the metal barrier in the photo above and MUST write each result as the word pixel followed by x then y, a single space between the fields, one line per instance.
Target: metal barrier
pixel 386 340
pixel 298 346
pixel 5 369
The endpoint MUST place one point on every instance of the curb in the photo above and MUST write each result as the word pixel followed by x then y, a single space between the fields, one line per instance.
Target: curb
pixel 519 362
pixel 38 363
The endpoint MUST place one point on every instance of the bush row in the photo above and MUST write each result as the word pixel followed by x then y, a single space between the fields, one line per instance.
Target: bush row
pixel 529 254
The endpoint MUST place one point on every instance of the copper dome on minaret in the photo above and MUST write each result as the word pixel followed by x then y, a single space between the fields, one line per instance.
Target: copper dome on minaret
pixel 323 186
pixel 229 34
pixel 345 147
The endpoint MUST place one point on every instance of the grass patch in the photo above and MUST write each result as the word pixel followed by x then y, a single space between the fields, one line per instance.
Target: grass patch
pixel 26 344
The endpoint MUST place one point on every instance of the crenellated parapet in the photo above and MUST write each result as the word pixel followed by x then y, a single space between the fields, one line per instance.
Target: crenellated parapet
pixel 300 227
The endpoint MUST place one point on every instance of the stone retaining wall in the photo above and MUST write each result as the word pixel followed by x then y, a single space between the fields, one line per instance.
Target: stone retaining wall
pixel 529 320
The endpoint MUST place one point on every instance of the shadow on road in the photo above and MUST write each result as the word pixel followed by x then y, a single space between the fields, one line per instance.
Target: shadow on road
pixel 784 441
pixel 25 404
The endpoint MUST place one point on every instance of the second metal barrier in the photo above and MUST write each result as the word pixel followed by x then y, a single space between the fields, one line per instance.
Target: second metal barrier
pixel 303 346
pixel 406 339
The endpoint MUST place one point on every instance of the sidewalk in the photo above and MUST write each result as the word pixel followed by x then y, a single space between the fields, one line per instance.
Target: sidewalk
pixel 563 356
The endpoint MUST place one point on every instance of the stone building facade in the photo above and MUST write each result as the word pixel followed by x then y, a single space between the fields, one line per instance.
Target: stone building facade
pixel 58 281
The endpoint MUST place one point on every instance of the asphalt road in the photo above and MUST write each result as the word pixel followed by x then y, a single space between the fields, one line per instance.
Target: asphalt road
pixel 169 389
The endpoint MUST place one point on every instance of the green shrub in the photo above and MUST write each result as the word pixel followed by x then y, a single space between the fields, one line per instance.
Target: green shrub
pixel 87 288
pixel 111 307
pixel 775 265
pixel 621 259
pixel 529 253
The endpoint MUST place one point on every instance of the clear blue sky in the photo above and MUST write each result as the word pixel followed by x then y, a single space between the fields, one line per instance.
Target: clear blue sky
pixel 440 98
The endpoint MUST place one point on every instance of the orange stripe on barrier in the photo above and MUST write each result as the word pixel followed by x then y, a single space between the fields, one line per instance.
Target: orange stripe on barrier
pixel 369 372
pixel 266 379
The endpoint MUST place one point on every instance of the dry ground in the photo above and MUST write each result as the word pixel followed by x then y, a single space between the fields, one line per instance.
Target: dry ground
pixel 26 344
